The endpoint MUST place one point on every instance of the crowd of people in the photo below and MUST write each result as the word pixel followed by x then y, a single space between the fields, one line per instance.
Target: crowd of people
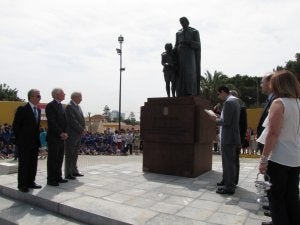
pixel 249 144
pixel 7 142
pixel 111 143
pixel 107 143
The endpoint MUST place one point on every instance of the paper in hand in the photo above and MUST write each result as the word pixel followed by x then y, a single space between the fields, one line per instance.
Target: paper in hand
pixel 210 112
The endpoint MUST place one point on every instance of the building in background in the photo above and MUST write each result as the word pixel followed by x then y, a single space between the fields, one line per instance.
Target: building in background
pixel 115 115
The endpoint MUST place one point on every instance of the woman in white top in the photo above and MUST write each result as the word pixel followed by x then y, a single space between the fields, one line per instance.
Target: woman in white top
pixel 281 154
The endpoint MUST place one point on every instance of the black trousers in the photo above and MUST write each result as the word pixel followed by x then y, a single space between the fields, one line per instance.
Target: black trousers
pixel 55 160
pixel 28 157
pixel 284 194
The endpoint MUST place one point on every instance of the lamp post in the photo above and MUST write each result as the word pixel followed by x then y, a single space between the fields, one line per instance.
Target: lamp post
pixel 119 51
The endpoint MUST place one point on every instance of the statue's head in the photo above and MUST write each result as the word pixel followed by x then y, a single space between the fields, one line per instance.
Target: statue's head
pixel 184 22
pixel 168 47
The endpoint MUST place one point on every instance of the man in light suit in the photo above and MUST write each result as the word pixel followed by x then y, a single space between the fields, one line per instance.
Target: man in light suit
pixel 56 136
pixel 26 126
pixel 230 138
pixel 75 130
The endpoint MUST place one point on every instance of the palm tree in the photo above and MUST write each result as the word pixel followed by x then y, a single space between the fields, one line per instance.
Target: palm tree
pixel 209 84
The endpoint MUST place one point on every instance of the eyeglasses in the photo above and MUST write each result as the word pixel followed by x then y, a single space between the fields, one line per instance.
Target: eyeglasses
pixel 38 96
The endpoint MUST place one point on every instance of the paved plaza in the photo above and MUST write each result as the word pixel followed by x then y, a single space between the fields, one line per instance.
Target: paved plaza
pixel 115 190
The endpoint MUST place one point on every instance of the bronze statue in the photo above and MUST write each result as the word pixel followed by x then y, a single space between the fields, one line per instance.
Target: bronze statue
pixel 188 50
pixel 168 60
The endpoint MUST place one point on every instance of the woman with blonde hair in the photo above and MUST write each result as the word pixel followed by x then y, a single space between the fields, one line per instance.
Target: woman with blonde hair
pixel 280 158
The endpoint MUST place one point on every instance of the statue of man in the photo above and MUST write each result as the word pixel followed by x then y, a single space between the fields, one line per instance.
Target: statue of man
pixel 188 49
pixel 168 60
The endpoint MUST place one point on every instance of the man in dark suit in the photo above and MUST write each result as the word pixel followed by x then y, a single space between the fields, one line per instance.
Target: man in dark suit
pixel 26 126
pixel 56 136
pixel 230 138
pixel 265 89
pixel 75 130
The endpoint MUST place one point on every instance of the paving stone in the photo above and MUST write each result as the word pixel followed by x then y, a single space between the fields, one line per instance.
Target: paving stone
pixel 203 204
pixel 167 219
pixel 178 200
pixel 226 219
pixel 140 202
pixel 194 213
pixel 166 208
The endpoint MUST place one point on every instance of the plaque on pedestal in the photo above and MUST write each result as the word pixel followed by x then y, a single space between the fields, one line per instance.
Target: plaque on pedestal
pixel 177 135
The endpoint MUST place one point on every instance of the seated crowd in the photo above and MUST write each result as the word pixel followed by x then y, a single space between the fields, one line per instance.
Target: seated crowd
pixel 107 143
pixel 7 142
pixel 111 143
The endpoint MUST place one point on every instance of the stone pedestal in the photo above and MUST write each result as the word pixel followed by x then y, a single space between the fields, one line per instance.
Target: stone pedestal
pixel 177 136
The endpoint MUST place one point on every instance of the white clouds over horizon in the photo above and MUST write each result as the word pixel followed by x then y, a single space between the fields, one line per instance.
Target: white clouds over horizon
pixel 71 44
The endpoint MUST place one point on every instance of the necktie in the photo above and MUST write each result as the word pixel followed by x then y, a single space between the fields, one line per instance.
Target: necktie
pixel 35 114
pixel 79 108
pixel 61 107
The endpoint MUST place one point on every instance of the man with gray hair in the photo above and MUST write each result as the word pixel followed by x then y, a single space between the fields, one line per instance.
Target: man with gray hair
pixel 265 85
pixel 56 136
pixel 26 126
pixel 75 130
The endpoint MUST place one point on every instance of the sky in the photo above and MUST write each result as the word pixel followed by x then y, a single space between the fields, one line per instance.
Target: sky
pixel 72 44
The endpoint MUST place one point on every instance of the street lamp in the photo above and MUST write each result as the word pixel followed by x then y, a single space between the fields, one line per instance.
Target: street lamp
pixel 119 51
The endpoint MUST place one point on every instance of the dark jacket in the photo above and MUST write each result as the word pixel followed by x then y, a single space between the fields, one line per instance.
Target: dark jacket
pixel 25 127
pixel 56 119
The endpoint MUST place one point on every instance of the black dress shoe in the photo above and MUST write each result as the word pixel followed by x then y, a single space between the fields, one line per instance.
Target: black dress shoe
pixel 221 183
pixel 23 189
pixel 35 186
pixel 78 175
pixel 267 223
pixel 70 177
pixel 52 183
pixel 223 191
pixel 62 180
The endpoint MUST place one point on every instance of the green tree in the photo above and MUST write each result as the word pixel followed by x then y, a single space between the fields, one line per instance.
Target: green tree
pixel 209 84
pixel 292 65
pixel 131 119
pixel 8 94
pixel 248 89
pixel 106 113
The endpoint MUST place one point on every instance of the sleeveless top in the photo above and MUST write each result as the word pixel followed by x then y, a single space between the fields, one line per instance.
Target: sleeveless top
pixel 287 149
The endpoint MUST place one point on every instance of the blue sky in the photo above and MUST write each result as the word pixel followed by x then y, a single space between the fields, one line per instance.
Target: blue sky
pixel 72 44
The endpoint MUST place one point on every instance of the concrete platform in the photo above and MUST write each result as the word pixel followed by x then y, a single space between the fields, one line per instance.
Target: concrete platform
pixel 8 167
pixel 115 190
